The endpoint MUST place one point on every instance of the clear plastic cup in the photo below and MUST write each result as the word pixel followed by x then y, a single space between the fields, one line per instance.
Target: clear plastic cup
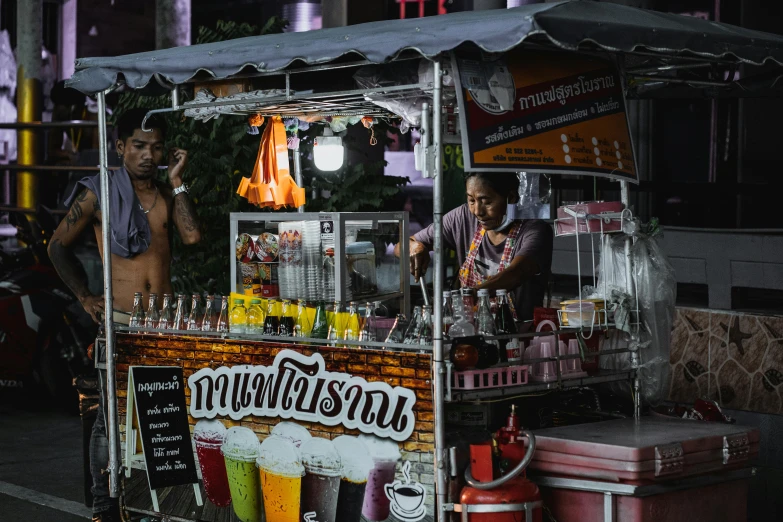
pixel 209 436
pixel 357 465
pixel 321 482
pixel 385 455
pixel 240 451
pixel 280 470
pixel 292 431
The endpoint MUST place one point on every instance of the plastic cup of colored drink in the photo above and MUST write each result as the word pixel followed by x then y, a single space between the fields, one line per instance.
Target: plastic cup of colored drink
pixel 280 470
pixel 209 436
pixel 321 482
pixel 385 455
pixel 353 482
pixel 240 451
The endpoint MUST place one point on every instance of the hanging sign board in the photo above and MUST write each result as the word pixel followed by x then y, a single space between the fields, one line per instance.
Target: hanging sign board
pixel 157 395
pixel 541 111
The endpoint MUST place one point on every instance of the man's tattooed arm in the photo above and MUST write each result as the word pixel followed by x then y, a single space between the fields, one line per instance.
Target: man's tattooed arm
pixel 186 220
pixel 68 266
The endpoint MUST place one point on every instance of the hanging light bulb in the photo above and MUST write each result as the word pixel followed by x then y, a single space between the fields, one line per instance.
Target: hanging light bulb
pixel 328 151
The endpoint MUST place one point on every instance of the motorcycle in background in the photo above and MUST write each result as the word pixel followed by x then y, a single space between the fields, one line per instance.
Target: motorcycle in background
pixel 44 331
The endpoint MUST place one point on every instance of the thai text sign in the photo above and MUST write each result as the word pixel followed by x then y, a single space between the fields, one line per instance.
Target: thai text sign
pixel 551 112
pixel 298 386
pixel 159 398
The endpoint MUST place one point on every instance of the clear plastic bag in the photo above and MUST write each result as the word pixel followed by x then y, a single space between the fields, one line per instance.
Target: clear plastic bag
pixel 534 196
pixel 390 75
pixel 656 288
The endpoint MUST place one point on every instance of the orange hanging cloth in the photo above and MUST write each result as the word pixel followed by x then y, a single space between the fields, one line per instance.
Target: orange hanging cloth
pixel 271 184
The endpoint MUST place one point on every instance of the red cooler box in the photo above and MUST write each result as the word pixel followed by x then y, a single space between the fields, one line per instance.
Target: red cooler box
pixel 652 470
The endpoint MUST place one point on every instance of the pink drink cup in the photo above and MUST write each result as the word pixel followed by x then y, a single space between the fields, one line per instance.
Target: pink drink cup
pixel 376 504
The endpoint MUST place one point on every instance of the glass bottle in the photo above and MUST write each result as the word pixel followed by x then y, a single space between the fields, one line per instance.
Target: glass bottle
pixel 254 318
pixel 485 325
pixel 166 320
pixel 208 322
pixel 424 333
pixel 468 305
pixel 461 326
pixel 222 321
pixel 287 322
pixel 195 316
pixel 338 322
pixel 302 326
pixel 137 316
pixel 352 329
pixel 272 321
pixel 320 322
pixel 180 317
pixel 448 312
pixel 397 333
pixel 153 315
pixel 504 323
pixel 370 329
pixel 410 333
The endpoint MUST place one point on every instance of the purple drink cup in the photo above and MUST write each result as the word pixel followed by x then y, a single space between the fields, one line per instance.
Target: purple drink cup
pixel 385 455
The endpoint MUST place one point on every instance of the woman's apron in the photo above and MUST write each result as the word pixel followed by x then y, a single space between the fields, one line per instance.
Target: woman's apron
pixel 469 276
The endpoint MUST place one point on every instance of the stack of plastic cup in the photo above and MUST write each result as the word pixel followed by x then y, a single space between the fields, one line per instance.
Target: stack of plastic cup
pixel 385 455
pixel 292 431
pixel 209 436
pixel 280 468
pixel 311 255
pixel 321 483
pixel 240 451
pixel 291 270
pixel 357 465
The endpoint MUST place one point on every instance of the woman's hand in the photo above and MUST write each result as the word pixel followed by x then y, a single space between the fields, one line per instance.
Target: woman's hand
pixel 420 258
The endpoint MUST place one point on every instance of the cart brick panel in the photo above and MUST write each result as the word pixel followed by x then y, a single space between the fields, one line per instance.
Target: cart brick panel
pixel 408 370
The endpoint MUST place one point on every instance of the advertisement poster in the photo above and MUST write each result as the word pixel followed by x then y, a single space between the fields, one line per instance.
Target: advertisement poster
pixel 542 111
pixel 296 434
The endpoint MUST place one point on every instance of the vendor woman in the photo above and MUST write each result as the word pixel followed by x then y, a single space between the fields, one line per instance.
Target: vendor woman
pixel 494 251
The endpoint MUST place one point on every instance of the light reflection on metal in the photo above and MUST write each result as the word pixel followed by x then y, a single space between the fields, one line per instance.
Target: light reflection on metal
pixel 302 16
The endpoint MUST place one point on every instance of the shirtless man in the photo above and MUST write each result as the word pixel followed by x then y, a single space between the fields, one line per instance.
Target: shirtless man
pixel 150 271
pixel 147 271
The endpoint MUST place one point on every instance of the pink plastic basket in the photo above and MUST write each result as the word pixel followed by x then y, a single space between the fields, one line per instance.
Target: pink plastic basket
pixel 491 378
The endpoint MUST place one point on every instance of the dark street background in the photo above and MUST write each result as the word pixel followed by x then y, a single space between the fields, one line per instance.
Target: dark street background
pixel 40 462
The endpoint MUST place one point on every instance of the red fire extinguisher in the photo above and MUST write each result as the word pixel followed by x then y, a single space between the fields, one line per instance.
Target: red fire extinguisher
pixel 498 490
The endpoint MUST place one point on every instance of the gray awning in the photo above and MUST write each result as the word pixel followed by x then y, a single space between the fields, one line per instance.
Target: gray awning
pixel 567 25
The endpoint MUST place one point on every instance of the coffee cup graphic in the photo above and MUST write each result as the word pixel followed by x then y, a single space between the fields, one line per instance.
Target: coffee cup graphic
pixel 406 497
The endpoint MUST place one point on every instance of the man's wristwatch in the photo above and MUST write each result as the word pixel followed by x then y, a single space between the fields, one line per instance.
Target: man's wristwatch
pixel 179 190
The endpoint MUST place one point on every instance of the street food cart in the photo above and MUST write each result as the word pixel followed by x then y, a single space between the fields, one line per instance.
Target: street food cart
pixel 385 391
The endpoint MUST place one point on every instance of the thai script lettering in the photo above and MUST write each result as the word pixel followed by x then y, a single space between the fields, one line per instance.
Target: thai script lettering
pixel 558 120
pixel 166 438
pixel 158 386
pixel 562 93
pixel 504 134
pixel 298 387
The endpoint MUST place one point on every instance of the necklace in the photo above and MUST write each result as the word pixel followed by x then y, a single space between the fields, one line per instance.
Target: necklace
pixel 155 202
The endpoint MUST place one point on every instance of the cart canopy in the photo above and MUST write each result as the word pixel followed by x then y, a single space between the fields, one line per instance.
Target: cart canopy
pixel 571 25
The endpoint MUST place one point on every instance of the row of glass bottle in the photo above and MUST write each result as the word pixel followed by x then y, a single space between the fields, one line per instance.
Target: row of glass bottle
pixel 180 317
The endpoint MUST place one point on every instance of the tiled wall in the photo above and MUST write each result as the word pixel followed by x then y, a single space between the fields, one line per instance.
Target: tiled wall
pixel 735 359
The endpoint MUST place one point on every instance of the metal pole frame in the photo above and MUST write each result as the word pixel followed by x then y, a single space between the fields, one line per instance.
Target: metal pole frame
pixel 625 197
pixel 111 381
pixel 438 364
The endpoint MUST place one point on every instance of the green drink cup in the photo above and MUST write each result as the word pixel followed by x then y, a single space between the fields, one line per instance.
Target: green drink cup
pixel 240 451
